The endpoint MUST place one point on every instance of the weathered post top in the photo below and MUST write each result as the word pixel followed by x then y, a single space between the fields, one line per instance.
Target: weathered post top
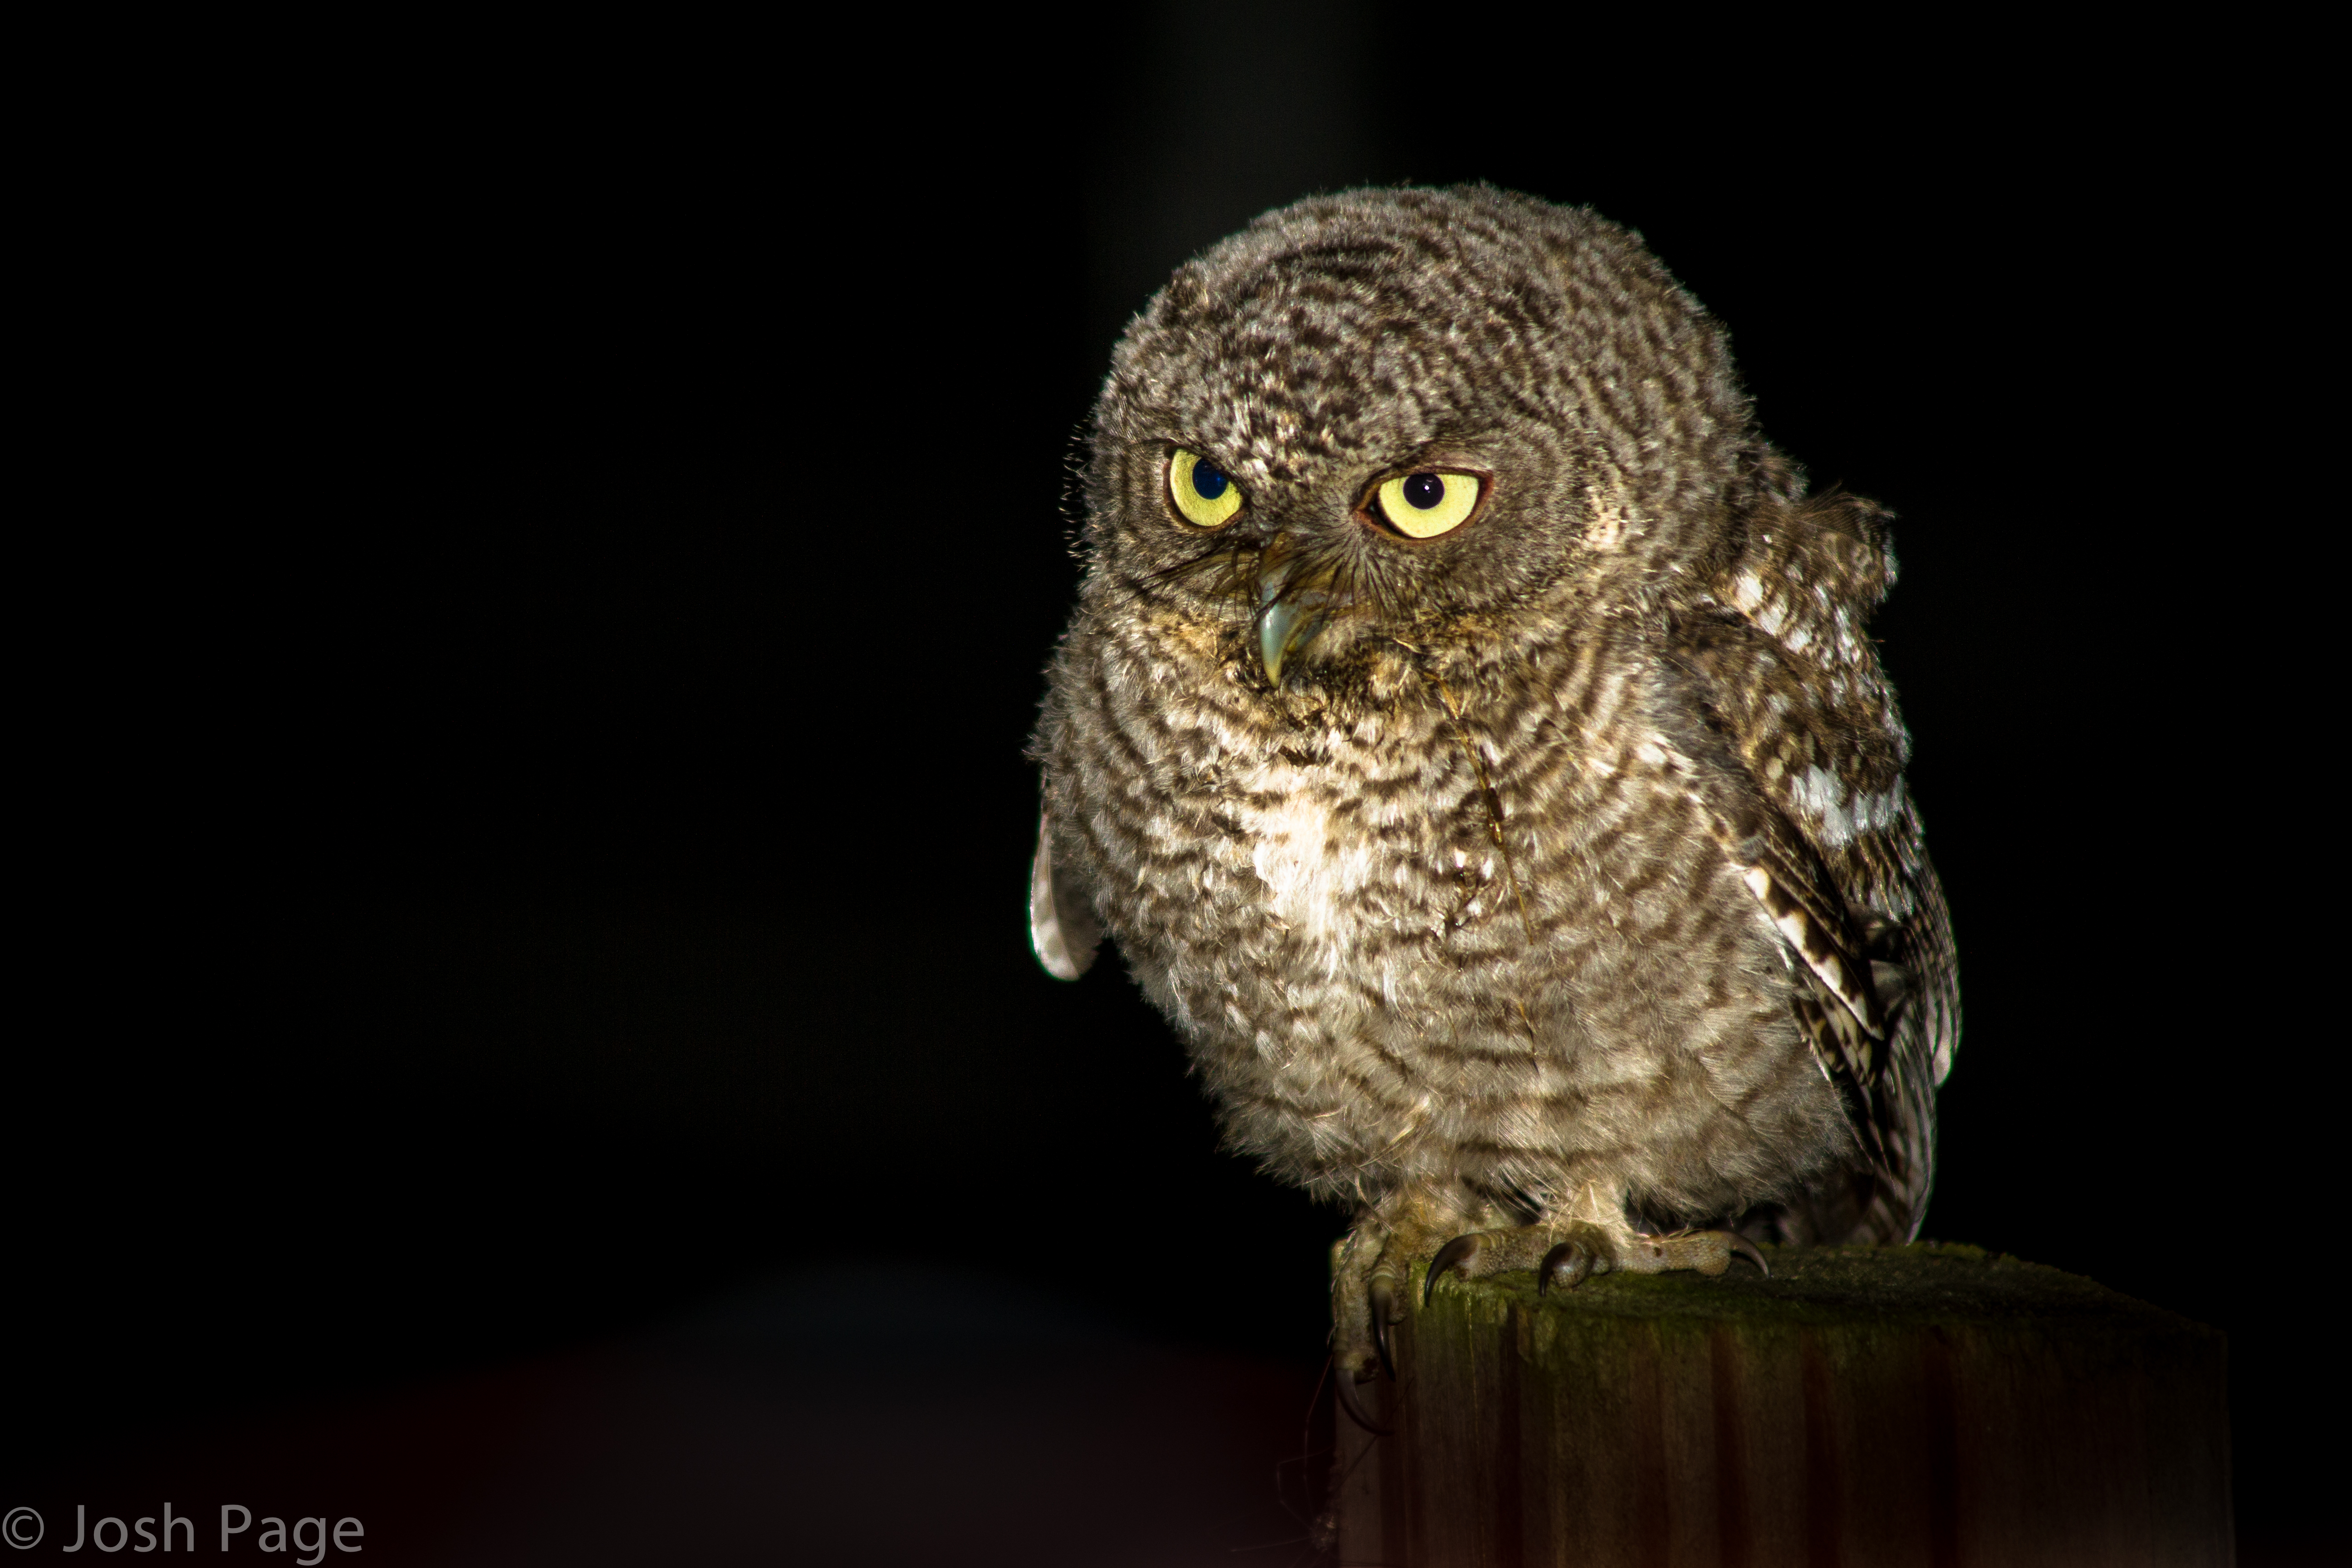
pixel 1866 1406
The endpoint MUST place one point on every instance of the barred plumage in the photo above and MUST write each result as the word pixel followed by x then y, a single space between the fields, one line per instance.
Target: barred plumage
pixel 1548 878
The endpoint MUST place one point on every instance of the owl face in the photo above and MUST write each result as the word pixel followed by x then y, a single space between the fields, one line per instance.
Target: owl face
pixel 1371 420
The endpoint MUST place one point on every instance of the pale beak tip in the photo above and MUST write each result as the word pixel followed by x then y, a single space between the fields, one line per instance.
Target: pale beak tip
pixel 1282 630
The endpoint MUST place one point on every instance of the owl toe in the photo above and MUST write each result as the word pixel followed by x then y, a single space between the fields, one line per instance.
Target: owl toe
pixel 1456 1254
pixel 1701 1251
pixel 1351 1399
pixel 1567 1266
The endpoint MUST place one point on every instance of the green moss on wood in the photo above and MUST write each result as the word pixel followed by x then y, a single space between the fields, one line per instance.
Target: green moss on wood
pixel 1922 1283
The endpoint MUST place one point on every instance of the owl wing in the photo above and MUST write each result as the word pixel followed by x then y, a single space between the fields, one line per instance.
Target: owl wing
pixel 1062 926
pixel 1839 1003
pixel 1779 689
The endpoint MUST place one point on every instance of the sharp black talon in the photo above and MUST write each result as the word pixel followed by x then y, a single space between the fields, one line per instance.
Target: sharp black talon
pixel 1570 1259
pixel 1746 1249
pixel 1344 1385
pixel 1458 1251
pixel 1383 1297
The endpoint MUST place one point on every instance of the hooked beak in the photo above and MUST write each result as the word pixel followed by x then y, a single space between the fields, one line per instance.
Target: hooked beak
pixel 1295 602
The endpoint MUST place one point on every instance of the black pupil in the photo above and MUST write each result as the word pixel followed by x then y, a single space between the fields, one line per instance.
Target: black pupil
pixel 1423 491
pixel 1207 484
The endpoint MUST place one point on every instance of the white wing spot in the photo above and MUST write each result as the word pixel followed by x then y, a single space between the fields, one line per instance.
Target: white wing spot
pixel 1820 794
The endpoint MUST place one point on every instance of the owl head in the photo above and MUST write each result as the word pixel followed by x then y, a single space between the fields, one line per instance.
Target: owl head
pixel 1387 416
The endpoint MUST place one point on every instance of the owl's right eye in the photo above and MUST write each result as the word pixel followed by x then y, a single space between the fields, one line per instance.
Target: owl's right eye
pixel 1203 495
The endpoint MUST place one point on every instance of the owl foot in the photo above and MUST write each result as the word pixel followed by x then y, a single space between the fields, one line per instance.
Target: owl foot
pixel 1372 1271
pixel 1566 1255
pixel 1485 1252
pixel 1370 1282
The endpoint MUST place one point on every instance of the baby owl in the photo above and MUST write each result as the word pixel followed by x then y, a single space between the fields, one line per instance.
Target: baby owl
pixel 1468 731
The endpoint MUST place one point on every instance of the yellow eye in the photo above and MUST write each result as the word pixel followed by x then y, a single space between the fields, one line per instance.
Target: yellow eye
pixel 1204 497
pixel 1424 505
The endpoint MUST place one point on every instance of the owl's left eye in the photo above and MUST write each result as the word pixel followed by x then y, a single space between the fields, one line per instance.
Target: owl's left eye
pixel 1424 505
pixel 1204 496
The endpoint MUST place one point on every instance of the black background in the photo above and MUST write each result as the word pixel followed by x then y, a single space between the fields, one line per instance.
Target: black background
pixel 549 572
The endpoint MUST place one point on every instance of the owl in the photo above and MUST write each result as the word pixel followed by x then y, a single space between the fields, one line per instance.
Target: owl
pixel 1468 731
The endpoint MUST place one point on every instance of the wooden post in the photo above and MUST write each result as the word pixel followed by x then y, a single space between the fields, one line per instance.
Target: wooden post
pixel 1868 1407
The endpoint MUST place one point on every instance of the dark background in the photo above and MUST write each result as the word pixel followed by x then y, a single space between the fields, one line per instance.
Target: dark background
pixel 549 588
